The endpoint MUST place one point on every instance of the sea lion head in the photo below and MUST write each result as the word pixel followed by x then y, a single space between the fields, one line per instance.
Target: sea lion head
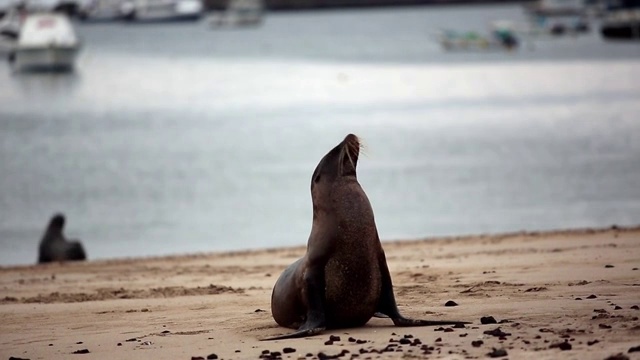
pixel 57 222
pixel 338 163
pixel 335 175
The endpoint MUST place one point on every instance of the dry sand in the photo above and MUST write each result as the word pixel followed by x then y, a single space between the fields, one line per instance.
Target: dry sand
pixel 183 306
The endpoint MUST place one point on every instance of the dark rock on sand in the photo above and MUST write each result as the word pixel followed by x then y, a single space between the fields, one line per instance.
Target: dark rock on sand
pixel 619 356
pixel 488 320
pixel 562 346
pixel 497 332
pixel 450 303
pixel 497 353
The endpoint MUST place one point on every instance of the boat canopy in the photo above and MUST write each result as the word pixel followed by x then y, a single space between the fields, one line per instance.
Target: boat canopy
pixel 47 29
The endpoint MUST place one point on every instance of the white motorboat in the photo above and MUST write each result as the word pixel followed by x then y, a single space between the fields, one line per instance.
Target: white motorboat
pixel 47 41
pixel 161 10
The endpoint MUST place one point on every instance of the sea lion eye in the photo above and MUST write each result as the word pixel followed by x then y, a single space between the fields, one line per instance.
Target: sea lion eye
pixel 317 178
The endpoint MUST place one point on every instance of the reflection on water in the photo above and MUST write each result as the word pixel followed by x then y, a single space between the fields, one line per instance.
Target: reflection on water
pixel 45 85
pixel 174 138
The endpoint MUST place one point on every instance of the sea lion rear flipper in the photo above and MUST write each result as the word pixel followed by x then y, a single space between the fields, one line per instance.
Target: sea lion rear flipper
pixel 296 334
pixel 75 251
pixel 387 303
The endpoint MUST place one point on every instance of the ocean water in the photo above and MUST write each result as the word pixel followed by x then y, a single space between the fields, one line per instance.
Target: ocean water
pixel 176 138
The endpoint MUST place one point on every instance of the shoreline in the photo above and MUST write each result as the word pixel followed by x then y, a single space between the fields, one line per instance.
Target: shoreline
pixel 273 249
pixel 186 306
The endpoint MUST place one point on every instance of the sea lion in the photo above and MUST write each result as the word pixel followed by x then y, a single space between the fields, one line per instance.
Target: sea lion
pixel 343 279
pixel 54 246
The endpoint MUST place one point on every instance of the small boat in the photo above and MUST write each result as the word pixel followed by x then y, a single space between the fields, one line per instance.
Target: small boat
pixel 622 21
pixel 161 10
pixel 501 37
pixel 46 41
pixel 239 13
pixel 100 10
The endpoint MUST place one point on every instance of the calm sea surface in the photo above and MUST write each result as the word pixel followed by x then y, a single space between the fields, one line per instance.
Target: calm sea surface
pixel 176 138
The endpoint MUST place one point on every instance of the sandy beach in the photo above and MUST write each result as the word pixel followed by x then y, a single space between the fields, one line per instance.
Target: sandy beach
pixel 565 294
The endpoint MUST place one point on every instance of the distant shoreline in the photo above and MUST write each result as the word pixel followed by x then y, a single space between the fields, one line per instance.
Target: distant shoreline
pixel 532 234
pixel 298 5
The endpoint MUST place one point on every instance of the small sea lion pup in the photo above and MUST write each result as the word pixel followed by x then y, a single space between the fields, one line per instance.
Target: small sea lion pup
pixel 54 246
pixel 343 279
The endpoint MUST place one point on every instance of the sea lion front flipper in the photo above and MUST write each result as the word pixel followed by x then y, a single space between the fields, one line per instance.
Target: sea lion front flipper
pixel 387 304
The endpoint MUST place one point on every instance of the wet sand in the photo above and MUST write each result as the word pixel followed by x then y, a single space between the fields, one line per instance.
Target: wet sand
pixel 564 294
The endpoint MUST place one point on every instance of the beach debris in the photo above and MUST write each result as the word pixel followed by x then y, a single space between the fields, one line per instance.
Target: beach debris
pixel 592 297
pixel 564 346
pixel 212 357
pixel 488 320
pixel 608 266
pixel 592 342
pixel 497 332
pixel 459 326
pixel 536 289
pixel 463 335
pixel 132 339
pixel 634 349
pixel 617 307
pixel 604 326
pixel 259 310
pixel 146 343
pixel 79 342
pixel 165 332
pixel 119 344
pixel 17 358
pixel 438 340
pixel 450 303
pixel 618 356
pixel 497 353
pixel 288 350
pixel 81 351
pixel 578 298
pixel 197 358
pixel 635 307
pixel 477 343
pixel 323 356
pixel 266 354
